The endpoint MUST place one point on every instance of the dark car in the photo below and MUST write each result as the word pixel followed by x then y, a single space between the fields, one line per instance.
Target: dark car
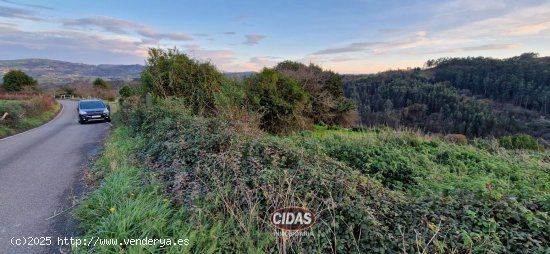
pixel 93 110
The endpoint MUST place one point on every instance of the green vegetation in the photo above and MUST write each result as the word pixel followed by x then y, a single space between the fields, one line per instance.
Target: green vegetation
pixel 328 105
pixel 16 80
pixel 520 141
pixel 171 171
pixel 26 114
pixel 101 84
pixel 171 73
pixel 281 100
pixel 477 97
pixel 125 91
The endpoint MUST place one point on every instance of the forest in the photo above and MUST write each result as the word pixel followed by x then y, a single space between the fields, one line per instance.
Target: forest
pixel 474 96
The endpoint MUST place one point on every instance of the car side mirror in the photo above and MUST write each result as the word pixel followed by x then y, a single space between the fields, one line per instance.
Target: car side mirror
pixel 109 107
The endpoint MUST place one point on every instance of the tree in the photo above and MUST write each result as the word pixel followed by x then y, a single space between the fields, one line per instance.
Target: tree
pixel 125 91
pixel 169 73
pixel 280 99
pixel 100 83
pixel 328 104
pixel 16 80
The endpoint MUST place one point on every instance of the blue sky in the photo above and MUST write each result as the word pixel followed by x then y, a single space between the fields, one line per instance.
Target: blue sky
pixel 354 36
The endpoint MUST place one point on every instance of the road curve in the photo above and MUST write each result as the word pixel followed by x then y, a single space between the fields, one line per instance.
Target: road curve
pixel 39 171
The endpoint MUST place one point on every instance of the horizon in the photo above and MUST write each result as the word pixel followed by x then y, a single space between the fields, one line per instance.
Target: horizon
pixel 363 36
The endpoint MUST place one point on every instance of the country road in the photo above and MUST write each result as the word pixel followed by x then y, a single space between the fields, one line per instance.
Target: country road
pixel 40 173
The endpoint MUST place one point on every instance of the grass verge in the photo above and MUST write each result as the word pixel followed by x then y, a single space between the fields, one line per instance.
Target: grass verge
pixel 26 123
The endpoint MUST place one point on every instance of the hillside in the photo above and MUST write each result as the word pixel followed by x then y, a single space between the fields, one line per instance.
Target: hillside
pixel 60 72
pixel 211 165
pixel 475 96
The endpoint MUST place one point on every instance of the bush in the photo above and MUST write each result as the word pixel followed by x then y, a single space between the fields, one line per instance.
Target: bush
pixel 16 80
pixel 456 138
pixel 125 91
pixel 213 171
pixel 171 73
pixel 101 84
pixel 38 105
pixel 520 141
pixel 328 105
pixel 280 99
pixel 15 111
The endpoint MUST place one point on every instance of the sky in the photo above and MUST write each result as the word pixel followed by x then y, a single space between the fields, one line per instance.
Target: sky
pixel 347 36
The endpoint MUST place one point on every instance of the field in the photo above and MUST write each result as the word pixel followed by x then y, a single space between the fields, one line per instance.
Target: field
pixel 167 174
pixel 26 114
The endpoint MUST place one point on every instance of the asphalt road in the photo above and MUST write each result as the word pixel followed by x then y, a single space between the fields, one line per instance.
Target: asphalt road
pixel 40 174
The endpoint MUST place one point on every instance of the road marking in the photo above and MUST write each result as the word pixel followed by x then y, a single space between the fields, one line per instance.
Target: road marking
pixel 110 124
pixel 57 116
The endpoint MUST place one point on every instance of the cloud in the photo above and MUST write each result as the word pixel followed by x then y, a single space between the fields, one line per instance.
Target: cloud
pixel 524 21
pixel 230 33
pixel 176 36
pixel 113 25
pixel 79 46
pixel 264 61
pixel 219 57
pixel 27 5
pixel 17 13
pixel 477 48
pixel 418 39
pixel 120 26
pixel 253 39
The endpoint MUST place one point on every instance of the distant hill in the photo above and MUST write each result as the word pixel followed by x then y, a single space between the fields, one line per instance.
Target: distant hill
pixel 60 72
pixel 53 72
pixel 475 96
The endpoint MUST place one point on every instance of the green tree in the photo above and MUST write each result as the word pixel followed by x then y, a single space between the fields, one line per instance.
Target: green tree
pixel 171 73
pixel 280 99
pixel 125 91
pixel 100 83
pixel 328 104
pixel 16 80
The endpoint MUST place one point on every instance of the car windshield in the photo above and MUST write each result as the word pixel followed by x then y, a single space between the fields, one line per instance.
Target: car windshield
pixel 91 104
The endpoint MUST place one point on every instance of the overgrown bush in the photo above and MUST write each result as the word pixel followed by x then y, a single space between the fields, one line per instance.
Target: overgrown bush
pixel 520 141
pixel 15 111
pixel 280 99
pixel 171 73
pixel 17 80
pixel 212 171
pixel 456 138
pixel 328 104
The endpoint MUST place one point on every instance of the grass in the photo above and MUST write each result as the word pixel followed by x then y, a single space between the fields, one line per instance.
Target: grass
pixel 27 122
pixel 129 204
pixel 398 189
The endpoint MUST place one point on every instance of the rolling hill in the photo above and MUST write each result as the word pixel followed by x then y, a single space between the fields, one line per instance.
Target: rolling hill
pixel 55 72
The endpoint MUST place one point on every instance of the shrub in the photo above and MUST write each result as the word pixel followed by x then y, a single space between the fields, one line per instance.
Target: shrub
pixel 212 171
pixel 125 91
pixel 520 141
pixel 16 80
pixel 171 73
pixel 15 111
pixel 328 105
pixel 456 138
pixel 38 105
pixel 280 99
pixel 101 84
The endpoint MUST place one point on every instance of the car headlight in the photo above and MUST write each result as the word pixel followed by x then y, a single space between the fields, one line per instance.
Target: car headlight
pixel 105 111
pixel 81 112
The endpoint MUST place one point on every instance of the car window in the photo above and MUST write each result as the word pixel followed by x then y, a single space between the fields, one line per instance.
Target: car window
pixel 91 104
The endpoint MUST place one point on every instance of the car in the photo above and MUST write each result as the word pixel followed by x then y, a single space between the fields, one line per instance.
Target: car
pixel 93 110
